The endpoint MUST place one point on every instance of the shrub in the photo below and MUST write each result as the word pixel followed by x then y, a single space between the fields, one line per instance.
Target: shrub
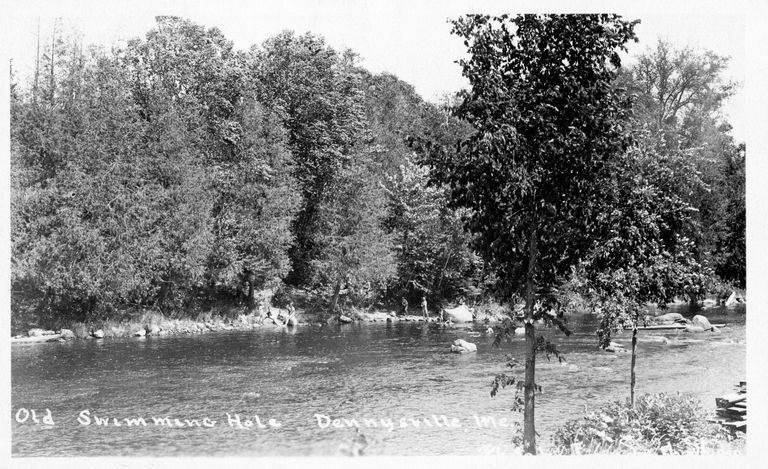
pixel 658 424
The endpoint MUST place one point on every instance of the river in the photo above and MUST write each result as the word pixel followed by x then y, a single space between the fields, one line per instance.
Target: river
pixel 305 377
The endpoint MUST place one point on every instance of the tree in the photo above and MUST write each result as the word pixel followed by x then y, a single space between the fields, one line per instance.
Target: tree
pixel 355 250
pixel 676 89
pixel 730 252
pixel 255 203
pixel 316 91
pixel 547 119
pixel 432 248
pixel 678 95
pixel 645 248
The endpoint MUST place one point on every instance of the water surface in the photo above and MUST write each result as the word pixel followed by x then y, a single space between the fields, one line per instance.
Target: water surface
pixel 373 370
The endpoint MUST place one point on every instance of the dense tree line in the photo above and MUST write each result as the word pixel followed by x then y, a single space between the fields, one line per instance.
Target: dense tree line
pixel 175 171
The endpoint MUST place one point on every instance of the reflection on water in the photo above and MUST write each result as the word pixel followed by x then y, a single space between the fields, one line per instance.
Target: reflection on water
pixel 303 378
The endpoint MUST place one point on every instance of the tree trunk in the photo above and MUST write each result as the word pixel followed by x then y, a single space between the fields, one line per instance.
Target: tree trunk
pixel 529 430
pixel 335 299
pixel 250 279
pixel 632 367
pixel 442 273
pixel 37 64
pixel 53 54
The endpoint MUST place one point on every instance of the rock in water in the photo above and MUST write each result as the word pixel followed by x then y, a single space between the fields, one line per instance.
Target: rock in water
pixel 345 319
pixel 702 322
pixel 140 333
pixel 520 330
pixel 99 334
pixel 615 347
pixel 459 314
pixel 731 301
pixel 669 317
pixel 67 334
pixel 39 332
pixel 462 346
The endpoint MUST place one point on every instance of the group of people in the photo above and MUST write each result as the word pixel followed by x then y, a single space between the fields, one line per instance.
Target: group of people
pixel 289 319
pixel 424 308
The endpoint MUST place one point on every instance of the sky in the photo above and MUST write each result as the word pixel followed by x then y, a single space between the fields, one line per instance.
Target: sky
pixel 409 39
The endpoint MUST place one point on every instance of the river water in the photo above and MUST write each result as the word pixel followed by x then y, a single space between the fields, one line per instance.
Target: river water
pixel 306 377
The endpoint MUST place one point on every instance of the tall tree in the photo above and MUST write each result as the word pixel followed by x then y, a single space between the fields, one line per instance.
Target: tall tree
pixel 317 91
pixel 644 246
pixel 678 97
pixel 433 255
pixel 355 251
pixel 547 119
pixel 676 89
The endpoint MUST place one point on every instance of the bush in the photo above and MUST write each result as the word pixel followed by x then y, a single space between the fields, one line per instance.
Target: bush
pixel 658 424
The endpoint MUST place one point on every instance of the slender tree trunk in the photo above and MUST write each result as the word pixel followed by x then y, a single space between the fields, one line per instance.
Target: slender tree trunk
pixel 335 299
pixel 53 54
pixel 529 430
pixel 251 279
pixel 37 65
pixel 442 272
pixel 632 367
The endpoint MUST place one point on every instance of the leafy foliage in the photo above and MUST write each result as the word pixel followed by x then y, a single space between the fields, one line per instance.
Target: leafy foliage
pixel 355 250
pixel 120 205
pixel 548 123
pixel 317 91
pixel 657 424
pixel 678 95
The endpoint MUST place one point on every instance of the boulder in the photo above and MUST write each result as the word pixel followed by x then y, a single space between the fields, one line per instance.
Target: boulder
pixel 140 333
pixel 67 334
pixel 520 330
pixel 345 319
pixel 98 334
pixel 292 321
pixel 669 317
pixel 615 348
pixel 462 346
pixel 690 328
pixel 152 329
pixel 702 322
pixel 459 314
pixel 732 300
pixel 39 332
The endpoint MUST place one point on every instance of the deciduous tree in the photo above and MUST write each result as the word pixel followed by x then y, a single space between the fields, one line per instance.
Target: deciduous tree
pixel 547 119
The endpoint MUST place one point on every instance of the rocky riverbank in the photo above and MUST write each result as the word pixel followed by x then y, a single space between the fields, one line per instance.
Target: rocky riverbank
pixel 154 324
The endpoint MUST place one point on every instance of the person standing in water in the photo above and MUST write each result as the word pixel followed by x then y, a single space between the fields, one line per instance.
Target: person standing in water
pixel 424 309
pixel 404 304
pixel 290 315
